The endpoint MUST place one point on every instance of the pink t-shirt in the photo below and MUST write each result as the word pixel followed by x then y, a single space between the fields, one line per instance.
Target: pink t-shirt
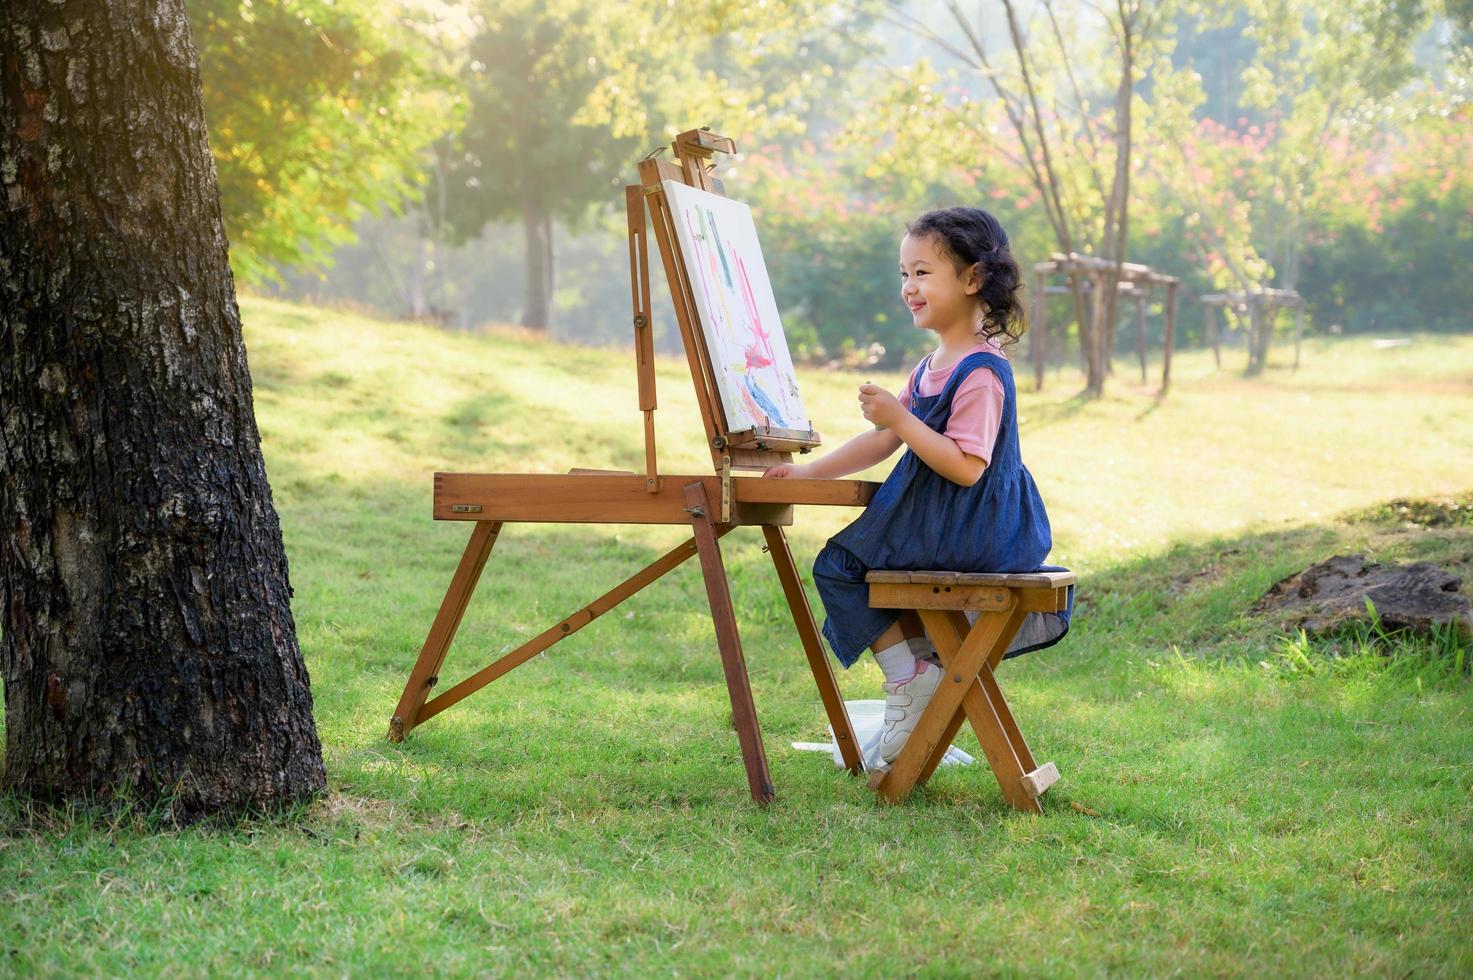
pixel 976 408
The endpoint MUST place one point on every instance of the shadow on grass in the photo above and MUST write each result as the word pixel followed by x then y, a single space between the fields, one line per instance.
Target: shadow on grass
pixel 477 427
pixel 1157 400
pixel 1041 415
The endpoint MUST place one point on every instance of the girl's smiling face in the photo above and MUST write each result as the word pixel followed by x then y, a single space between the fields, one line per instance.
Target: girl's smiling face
pixel 938 297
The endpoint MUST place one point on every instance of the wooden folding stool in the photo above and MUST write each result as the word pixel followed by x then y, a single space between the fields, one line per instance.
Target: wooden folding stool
pixel 970 654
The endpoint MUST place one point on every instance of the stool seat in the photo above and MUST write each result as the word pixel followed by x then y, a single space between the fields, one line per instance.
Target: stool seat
pixel 995 580
pixel 969 652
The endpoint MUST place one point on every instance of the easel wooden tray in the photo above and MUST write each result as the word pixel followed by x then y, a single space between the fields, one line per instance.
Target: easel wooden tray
pixel 624 499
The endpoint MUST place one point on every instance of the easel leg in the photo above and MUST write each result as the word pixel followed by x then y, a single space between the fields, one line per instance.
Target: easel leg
pixel 442 631
pixel 743 711
pixel 562 630
pixel 818 662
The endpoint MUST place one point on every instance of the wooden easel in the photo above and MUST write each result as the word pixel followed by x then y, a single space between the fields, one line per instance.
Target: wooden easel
pixel 711 504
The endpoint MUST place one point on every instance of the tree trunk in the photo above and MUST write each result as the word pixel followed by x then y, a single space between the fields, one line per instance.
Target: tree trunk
pixel 537 308
pixel 416 285
pixel 1270 320
pixel 1259 331
pixel 1167 339
pixel 1094 380
pixel 1140 333
pixel 1077 293
pixel 1209 327
pixel 1117 219
pixel 1038 329
pixel 148 652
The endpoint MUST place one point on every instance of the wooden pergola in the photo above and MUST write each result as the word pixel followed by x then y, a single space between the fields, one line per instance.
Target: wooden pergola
pixel 1136 282
pixel 1262 306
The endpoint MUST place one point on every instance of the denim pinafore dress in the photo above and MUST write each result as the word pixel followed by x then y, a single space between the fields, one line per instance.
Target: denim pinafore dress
pixel 918 519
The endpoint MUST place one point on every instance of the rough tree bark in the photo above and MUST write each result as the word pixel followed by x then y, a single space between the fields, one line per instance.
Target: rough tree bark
pixel 148 647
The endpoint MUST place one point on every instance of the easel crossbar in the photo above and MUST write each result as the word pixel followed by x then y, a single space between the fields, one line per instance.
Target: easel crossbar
pixel 566 627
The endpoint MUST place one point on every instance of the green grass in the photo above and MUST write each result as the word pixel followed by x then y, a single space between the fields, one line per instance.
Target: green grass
pixel 1235 799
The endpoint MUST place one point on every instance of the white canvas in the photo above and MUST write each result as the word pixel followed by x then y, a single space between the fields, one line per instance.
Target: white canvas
pixel 744 334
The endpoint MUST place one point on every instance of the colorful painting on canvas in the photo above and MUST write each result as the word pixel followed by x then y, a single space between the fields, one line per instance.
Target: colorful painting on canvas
pixel 744 335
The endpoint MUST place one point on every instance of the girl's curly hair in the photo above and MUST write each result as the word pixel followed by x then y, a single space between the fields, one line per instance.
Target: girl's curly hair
pixel 971 235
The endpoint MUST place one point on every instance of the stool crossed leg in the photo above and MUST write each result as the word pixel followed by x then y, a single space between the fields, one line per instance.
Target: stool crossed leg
pixel 970 691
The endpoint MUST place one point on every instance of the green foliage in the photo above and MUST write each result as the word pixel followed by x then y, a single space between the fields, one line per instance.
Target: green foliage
pixel 1366 649
pixel 1315 85
pixel 566 96
pixel 1386 246
pixel 319 111
pixel 550 129
pixel 832 256
pixel 831 215
pixel 1251 174
pixel 1214 47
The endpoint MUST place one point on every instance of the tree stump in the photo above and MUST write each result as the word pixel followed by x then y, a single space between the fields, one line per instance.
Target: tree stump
pixel 1328 595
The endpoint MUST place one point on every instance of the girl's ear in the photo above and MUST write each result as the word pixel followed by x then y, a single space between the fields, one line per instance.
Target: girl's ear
pixel 974 279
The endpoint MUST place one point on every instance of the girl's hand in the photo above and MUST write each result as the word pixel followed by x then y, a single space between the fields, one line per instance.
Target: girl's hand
pixel 782 471
pixel 879 406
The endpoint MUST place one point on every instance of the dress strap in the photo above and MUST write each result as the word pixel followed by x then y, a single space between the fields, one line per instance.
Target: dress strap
pixel 917 375
pixel 966 366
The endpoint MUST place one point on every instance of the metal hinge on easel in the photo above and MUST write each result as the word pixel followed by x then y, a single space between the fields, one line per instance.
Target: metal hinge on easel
pixel 726 489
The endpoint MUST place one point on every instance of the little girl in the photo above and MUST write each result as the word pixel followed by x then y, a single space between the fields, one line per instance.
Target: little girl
pixel 960 498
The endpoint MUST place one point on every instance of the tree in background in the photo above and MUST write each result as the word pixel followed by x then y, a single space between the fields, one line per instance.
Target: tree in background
pixel 567 95
pixel 148 647
pixel 1387 248
pixel 319 112
pixel 1325 77
pixel 835 160
pixel 1066 89
pixel 543 139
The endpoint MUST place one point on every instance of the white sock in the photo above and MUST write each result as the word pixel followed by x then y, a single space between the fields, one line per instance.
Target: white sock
pixel 921 649
pixel 898 663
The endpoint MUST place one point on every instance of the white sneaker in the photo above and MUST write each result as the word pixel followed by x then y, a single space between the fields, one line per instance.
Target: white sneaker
pixel 904 703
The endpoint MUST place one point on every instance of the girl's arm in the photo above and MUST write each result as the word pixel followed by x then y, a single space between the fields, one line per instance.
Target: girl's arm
pixel 935 450
pixel 859 453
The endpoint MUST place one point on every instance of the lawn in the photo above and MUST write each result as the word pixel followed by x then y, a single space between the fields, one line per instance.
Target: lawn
pixel 1234 800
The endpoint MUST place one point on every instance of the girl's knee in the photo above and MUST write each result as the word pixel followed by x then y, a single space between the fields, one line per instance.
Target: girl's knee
pixel 837 564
